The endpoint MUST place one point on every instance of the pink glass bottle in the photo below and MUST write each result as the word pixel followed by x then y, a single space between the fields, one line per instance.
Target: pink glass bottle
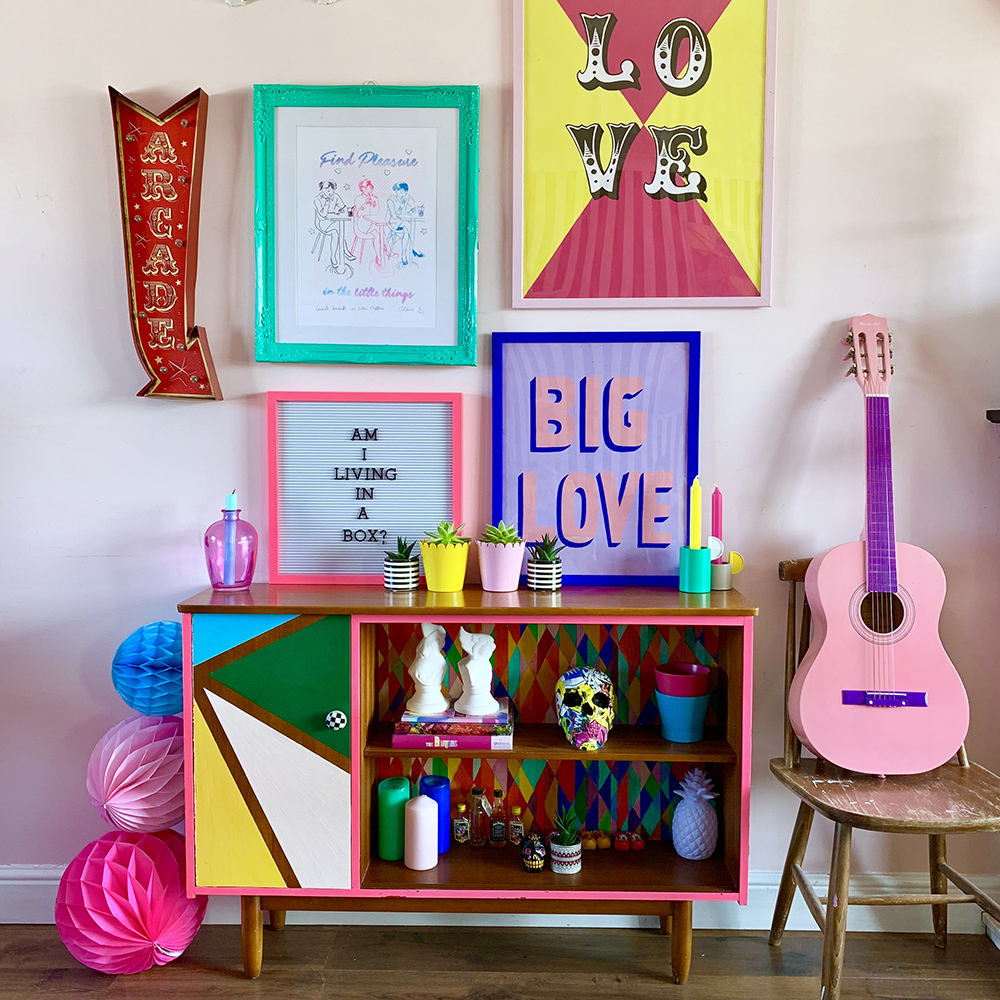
pixel 231 549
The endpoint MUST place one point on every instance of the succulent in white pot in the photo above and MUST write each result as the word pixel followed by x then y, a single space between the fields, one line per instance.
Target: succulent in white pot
pixel 695 826
pixel 565 845
pixel 501 551
pixel 401 569
pixel 544 564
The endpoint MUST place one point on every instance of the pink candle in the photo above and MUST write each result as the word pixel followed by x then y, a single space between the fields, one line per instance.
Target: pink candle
pixel 717 519
pixel 421 833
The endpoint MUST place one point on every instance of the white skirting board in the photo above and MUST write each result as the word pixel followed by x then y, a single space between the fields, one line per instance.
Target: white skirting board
pixel 992 929
pixel 28 893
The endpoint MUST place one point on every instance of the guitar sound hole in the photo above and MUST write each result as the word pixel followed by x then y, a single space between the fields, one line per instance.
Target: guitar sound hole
pixel 882 613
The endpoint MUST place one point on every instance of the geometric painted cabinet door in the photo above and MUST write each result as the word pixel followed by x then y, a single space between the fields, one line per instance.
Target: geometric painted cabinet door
pixel 272 781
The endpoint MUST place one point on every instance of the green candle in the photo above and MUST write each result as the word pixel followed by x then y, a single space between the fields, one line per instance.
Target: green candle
pixel 393 794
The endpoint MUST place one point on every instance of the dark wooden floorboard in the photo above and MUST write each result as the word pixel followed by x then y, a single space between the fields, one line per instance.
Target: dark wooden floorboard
pixel 477 963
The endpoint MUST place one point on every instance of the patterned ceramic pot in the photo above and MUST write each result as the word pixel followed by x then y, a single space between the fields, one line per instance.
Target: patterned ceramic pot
pixel 544 575
pixel 566 860
pixel 397 575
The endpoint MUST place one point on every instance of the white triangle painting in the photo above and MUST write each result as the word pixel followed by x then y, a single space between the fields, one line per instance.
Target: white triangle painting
pixel 307 800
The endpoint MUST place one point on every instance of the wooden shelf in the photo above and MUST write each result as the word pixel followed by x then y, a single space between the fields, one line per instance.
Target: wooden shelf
pixel 547 742
pixel 498 869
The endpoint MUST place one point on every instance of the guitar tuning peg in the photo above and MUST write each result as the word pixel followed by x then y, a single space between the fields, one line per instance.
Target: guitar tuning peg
pixel 891 352
pixel 853 370
pixel 890 338
pixel 892 369
pixel 849 339
pixel 849 356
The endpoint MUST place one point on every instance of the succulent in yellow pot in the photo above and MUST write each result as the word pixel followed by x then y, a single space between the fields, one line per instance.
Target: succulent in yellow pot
pixel 446 555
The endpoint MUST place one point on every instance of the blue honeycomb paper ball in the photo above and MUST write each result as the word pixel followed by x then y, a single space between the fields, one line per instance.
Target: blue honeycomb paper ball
pixel 146 670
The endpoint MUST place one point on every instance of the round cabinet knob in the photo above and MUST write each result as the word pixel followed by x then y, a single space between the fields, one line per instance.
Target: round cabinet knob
pixel 336 719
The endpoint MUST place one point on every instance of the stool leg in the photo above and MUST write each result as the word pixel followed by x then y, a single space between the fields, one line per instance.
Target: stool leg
pixel 836 913
pixel 680 941
pixel 666 920
pixel 786 890
pixel 252 935
pixel 939 883
pixel 276 919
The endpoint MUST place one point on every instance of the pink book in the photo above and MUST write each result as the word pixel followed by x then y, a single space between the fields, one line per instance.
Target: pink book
pixel 426 742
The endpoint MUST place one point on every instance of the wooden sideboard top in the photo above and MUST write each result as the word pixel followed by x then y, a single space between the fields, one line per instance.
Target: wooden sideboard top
pixel 612 602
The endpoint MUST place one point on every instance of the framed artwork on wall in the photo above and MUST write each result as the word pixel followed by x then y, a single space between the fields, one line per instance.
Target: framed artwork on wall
pixel 349 472
pixel 595 439
pixel 365 218
pixel 643 144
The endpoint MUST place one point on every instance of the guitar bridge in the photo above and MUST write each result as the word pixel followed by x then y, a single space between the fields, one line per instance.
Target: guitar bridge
pixel 886 699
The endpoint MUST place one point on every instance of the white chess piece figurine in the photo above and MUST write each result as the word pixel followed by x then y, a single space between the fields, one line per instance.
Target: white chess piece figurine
pixel 476 672
pixel 427 671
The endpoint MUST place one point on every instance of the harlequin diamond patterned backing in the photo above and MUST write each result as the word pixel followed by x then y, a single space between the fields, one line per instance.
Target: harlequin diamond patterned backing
pixel 530 658
pixel 617 795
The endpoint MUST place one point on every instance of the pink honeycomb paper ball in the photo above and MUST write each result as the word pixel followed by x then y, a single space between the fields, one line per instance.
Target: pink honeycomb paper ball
pixel 135 777
pixel 121 906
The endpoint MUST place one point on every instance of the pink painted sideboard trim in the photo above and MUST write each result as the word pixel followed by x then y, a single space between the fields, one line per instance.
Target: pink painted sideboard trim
pixel 188 680
pixel 273 534
pixel 356 892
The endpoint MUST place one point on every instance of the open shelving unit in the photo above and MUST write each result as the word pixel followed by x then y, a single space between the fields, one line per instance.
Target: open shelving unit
pixel 323 647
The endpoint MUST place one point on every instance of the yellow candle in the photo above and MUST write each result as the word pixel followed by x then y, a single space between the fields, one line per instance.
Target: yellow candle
pixel 694 514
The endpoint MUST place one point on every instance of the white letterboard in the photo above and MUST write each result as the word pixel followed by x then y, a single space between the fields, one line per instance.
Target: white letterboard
pixel 351 476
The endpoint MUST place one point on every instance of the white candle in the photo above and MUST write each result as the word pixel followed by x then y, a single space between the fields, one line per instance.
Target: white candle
pixel 421 833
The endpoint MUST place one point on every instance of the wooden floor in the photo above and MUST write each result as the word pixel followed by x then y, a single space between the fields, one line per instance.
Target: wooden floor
pixel 367 963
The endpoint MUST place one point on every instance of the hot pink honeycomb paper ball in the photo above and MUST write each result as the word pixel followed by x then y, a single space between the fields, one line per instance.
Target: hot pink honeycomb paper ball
pixel 121 906
pixel 136 773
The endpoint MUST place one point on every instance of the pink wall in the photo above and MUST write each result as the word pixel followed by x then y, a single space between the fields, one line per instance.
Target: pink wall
pixel 885 201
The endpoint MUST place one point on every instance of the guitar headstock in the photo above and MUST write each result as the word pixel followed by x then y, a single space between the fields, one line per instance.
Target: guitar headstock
pixel 870 354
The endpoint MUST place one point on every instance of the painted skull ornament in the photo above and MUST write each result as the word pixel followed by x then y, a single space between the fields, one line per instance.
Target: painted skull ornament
pixel 585 702
pixel 533 852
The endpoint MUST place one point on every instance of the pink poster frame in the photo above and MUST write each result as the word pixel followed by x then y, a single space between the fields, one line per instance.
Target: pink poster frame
pixel 520 301
pixel 273 492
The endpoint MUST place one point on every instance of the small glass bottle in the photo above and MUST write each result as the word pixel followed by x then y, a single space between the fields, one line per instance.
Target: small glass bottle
pixel 479 820
pixel 460 824
pixel 231 549
pixel 498 821
pixel 515 828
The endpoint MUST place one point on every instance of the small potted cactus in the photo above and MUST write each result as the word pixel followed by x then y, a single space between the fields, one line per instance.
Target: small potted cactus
pixel 446 555
pixel 501 551
pixel 401 569
pixel 565 847
pixel 695 824
pixel 544 564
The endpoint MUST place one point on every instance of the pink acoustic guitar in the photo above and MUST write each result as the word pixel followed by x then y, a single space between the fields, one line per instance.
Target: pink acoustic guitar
pixel 876 691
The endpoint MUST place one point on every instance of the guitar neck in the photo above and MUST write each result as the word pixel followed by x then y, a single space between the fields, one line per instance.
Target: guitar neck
pixel 881 533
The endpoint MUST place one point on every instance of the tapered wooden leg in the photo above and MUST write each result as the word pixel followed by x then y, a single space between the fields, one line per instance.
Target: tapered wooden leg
pixel 939 883
pixel 667 919
pixel 276 919
pixel 786 890
pixel 252 935
pixel 680 940
pixel 836 913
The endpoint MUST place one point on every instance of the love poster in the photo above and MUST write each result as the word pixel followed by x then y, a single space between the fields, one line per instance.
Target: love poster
pixel 595 438
pixel 645 164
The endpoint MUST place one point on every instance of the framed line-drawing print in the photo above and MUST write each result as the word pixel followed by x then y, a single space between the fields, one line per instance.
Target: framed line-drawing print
pixel 366 224
pixel 595 439
pixel 349 472
pixel 643 137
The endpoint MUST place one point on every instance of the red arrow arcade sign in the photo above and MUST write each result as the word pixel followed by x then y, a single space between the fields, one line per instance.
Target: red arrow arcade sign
pixel 159 170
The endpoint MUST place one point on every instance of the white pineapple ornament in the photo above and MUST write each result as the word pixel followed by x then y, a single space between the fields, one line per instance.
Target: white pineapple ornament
pixel 695 825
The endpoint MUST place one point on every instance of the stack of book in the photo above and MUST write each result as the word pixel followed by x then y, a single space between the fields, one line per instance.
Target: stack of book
pixel 451 731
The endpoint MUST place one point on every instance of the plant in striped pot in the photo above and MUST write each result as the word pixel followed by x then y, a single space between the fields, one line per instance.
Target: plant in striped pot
pixel 565 847
pixel 401 569
pixel 544 564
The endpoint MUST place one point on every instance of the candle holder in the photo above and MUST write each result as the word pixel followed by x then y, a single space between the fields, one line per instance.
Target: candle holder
pixel 695 570
pixel 231 552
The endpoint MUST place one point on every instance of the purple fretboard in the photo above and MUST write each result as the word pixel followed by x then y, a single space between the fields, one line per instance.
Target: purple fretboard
pixel 881 535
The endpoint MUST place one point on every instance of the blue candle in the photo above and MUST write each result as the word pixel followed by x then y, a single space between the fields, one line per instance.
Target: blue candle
pixel 439 789
pixel 229 550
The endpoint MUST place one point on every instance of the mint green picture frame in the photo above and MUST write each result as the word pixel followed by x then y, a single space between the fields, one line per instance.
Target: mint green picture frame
pixel 276 338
